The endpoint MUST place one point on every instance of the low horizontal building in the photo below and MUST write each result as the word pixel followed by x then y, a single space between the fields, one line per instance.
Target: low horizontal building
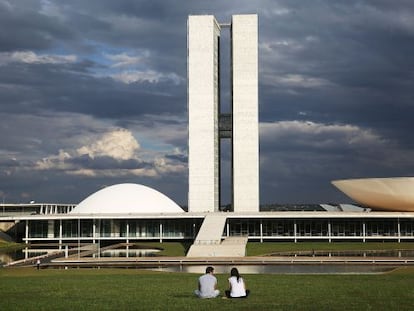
pixel 129 213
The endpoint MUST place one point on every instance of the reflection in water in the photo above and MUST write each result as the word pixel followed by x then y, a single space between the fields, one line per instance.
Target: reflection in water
pixel 131 252
pixel 284 269
pixel 354 253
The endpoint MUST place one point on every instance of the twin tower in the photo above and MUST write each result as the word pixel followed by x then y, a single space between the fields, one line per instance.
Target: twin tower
pixel 207 125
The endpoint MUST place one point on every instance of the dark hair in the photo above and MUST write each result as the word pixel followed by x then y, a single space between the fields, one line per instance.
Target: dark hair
pixel 235 272
pixel 209 269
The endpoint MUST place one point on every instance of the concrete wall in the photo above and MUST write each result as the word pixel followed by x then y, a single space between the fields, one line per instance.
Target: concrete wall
pixel 203 97
pixel 245 113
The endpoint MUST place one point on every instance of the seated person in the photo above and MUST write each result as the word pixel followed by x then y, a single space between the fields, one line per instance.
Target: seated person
pixel 237 287
pixel 207 285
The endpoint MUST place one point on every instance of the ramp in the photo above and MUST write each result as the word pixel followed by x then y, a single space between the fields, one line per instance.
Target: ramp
pixel 211 230
pixel 208 241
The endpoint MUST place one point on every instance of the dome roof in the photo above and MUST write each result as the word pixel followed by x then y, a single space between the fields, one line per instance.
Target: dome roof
pixel 127 199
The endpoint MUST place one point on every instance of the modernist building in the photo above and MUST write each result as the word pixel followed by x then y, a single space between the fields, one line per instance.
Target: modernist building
pixel 207 125
pixel 121 215
pixel 127 213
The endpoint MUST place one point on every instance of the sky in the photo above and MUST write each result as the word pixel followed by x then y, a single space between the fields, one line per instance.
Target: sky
pixel 94 93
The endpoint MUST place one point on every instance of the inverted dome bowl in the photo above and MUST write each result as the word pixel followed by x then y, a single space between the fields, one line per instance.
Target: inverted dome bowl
pixel 390 194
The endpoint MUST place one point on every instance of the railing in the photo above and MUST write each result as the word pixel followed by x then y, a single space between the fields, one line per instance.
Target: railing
pixel 207 242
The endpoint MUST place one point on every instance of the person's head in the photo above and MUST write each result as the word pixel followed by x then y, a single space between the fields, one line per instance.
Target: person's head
pixel 209 270
pixel 235 272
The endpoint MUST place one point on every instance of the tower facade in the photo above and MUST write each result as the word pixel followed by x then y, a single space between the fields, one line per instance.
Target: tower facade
pixel 207 125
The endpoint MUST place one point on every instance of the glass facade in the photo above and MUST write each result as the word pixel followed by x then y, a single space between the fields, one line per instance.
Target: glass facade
pixel 141 228
pixel 244 227
pixel 311 227
pixel 381 227
pixel 320 228
pixel 407 227
pixel 363 228
pixel 346 228
pixel 86 228
pixel 278 227
pixel 69 228
pixel 38 229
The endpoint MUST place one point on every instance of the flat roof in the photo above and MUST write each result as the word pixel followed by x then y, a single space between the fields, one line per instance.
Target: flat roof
pixel 229 215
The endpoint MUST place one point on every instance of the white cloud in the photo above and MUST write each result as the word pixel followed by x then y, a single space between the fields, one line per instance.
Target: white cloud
pixel 164 165
pixel 308 133
pixel 297 80
pixel 54 162
pixel 125 60
pixel 119 144
pixel 30 57
pixel 133 76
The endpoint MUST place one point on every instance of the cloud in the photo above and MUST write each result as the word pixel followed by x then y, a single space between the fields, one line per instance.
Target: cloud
pixel 319 136
pixel 297 80
pixel 114 154
pixel 133 76
pixel 30 57
pixel 125 60
pixel 118 144
pixel 335 84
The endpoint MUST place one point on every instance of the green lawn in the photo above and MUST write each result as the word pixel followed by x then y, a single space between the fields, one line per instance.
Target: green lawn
pixel 9 246
pixel 258 249
pixel 130 289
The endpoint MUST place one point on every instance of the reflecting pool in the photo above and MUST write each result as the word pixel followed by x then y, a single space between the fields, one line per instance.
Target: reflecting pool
pixel 285 269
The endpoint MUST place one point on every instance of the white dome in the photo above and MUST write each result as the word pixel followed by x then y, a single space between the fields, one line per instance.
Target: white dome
pixel 127 199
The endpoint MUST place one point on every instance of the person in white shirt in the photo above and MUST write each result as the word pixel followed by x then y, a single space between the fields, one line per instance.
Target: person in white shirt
pixel 237 286
pixel 207 285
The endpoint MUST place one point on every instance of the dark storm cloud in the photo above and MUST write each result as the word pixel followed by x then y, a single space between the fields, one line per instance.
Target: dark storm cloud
pixel 360 53
pixel 343 71
pixel 23 27
pixel 69 88
pixel 107 163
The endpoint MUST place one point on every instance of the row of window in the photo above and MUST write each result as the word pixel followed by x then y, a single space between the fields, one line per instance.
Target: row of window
pixel 188 228
pixel 114 228
pixel 317 227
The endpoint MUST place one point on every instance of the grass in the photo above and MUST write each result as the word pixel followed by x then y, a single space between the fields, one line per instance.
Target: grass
pixel 257 249
pixel 167 248
pixel 129 289
pixel 10 246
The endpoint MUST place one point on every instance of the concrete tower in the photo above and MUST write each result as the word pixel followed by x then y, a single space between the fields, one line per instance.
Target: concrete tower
pixel 207 126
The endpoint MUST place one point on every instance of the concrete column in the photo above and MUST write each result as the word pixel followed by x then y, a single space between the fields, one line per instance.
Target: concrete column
pixel 399 230
pixel 127 238
pixel 60 234
pixel 26 234
pixel 295 230
pixel 363 231
pixel 329 231
pixel 161 232
pixel 261 231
